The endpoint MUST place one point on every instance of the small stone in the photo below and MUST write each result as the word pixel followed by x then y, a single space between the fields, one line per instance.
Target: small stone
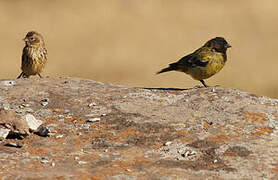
pixel 215 161
pixel 82 162
pixel 59 136
pixel 25 105
pixel 43 131
pixel 4 133
pixel 44 161
pixel 11 144
pixel 32 122
pixel 8 83
pixel 92 104
pixel 6 106
pixel 190 153
pixel 53 164
pixel 103 114
pixel 19 111
pixel 92 120
pixel 168 143
pixel 44 103
pixel 60 116
pixel 76 158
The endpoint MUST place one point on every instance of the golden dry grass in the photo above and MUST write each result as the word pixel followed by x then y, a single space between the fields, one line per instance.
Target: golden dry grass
pixel 128 41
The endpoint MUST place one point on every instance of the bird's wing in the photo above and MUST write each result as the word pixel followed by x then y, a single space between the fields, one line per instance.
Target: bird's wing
pixel 200 58
pixel 24 57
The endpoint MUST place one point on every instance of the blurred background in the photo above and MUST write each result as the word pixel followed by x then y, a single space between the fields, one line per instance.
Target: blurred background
pixel 128 41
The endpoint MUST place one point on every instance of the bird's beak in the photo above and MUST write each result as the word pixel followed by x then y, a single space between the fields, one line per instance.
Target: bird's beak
pixel 228 46
pixel 25 39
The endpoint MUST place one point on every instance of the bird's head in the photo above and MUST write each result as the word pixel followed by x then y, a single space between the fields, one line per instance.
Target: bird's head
pixel 33 38
pixel 219 44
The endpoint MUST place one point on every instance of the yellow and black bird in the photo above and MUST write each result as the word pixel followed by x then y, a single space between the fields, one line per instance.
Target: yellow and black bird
pixel 34 55
pixel 204 62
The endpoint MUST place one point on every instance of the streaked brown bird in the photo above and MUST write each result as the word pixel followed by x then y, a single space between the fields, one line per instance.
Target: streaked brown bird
pixel 204 62
pixel 34 55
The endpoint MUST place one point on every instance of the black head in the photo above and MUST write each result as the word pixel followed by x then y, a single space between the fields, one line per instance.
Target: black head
pixel 219 44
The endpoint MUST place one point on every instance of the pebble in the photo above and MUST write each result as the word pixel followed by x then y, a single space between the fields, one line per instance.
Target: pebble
pixel 43 131
pixel 10 144
pixel 8 83
pixel 4 133
pixel 44 161
pixel 82 162
pixel 32 122
pixel 190 153
pixel 25 105
pixel 6 106
pixel 92 120
pixel 59 136
pixel 60 116
pixel 168 143
pixel 92 104
pixel 44 101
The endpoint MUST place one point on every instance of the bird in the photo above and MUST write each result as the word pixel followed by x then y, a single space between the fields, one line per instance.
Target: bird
pixel 34 55
pixel 204 62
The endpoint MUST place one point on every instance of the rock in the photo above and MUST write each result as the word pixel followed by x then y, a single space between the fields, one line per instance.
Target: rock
pixel 198 133
pixel 32 122
pixel 11 144
pixel 12 121
pixel 4 133
pixel 44 101
pixel 168 143
pixel 8 83
pixel 92 104
pixel 82 162
pixel 92 120
pixel 43 131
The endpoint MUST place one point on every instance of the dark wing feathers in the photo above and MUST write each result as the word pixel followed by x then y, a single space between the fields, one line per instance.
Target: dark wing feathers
pixel 195 59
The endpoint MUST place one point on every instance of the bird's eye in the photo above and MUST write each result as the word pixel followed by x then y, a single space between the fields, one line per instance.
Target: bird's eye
pixel 32 39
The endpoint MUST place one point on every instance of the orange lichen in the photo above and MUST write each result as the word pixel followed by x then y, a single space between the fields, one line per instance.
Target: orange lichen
pixel 256 117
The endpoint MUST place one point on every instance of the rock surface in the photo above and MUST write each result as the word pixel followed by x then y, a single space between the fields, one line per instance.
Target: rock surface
pixel 95 130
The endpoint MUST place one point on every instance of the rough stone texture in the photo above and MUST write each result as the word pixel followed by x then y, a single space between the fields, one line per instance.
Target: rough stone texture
pixel 199 133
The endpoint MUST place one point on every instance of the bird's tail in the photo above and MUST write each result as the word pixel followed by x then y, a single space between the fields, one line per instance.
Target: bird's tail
pixel 172 67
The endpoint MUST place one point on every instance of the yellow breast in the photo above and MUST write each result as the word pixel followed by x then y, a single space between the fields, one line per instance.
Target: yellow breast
pixel 215 63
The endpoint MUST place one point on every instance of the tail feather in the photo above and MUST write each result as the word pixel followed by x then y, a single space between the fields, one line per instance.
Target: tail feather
pixel 172 67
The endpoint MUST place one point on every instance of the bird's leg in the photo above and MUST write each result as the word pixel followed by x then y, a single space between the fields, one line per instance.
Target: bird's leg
pixel 40 75
pixel 203 82
pixel 20 75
